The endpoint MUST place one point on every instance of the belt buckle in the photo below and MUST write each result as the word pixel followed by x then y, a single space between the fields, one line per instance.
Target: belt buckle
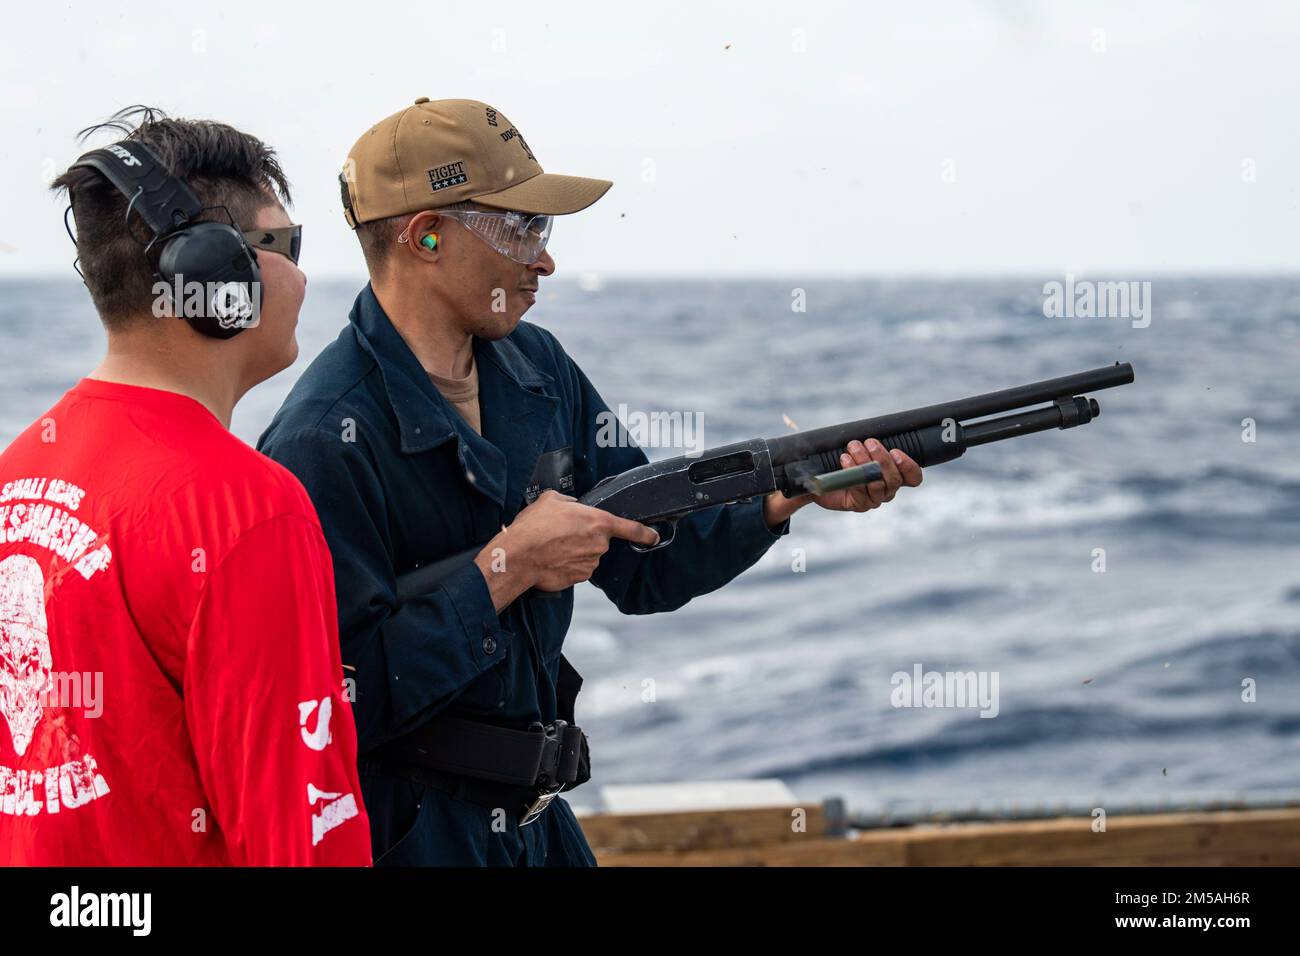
pixel 553 735
pixel 543 800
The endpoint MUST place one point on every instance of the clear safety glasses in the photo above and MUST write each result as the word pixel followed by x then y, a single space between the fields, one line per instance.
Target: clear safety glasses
pixel 520 236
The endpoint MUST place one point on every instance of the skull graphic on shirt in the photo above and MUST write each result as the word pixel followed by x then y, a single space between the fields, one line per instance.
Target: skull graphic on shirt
pixel 25 662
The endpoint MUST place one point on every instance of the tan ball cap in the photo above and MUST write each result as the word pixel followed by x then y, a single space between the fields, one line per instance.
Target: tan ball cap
pixel 440 152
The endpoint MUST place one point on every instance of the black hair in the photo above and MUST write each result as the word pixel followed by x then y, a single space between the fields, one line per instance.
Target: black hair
pixel 234 175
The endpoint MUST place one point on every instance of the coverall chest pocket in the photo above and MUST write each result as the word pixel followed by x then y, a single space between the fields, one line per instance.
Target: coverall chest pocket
pixel 553 472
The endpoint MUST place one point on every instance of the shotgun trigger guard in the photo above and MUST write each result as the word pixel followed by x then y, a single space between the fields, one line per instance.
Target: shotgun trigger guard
pixel 667 528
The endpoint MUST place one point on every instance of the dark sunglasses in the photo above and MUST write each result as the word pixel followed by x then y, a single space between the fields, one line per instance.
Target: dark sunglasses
pixel 286 240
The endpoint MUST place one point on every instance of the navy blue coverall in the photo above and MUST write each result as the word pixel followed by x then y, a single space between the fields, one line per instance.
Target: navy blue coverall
pixel 399 479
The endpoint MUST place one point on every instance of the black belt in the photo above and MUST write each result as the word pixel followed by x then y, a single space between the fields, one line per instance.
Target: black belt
pixel 489 765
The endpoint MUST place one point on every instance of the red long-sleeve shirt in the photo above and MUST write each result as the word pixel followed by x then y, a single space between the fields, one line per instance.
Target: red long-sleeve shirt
pixel 171 691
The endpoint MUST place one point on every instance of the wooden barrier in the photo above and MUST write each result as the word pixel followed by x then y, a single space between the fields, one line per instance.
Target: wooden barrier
pixel 768 837
pixel 704 830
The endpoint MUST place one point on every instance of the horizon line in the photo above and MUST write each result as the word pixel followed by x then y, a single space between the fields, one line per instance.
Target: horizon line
pixel 1115 274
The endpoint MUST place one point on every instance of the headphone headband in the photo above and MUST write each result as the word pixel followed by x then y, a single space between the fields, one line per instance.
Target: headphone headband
pixel 163 202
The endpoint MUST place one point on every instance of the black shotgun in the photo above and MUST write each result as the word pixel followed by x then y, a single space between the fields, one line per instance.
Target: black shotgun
pixel 659 494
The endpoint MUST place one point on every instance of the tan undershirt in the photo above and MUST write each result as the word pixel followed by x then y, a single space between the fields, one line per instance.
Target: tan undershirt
pixel 461 394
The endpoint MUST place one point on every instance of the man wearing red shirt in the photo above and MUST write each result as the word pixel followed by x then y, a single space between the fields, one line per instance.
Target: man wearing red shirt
pixel 170 682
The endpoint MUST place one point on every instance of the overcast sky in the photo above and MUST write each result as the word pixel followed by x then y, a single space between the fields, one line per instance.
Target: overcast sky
pixel 748 138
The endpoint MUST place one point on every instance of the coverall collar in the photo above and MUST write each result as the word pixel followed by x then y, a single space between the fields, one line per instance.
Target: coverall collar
pixel 517 403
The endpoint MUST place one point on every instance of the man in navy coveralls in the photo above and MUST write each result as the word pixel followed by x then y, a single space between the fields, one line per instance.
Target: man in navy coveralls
pixel 438 422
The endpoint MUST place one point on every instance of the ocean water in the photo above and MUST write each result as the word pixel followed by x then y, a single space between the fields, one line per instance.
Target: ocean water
pixel 1122 683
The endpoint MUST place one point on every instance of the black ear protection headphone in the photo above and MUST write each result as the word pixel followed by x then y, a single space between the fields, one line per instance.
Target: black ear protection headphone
pixel 214 254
